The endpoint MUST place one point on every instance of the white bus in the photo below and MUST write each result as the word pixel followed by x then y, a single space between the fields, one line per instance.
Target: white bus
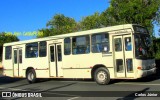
pixel 115 52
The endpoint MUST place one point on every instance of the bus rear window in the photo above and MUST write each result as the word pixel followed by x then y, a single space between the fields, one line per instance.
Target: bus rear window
pixel 8 52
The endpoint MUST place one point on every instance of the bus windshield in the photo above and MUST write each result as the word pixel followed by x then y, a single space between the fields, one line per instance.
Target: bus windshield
pixel 143 46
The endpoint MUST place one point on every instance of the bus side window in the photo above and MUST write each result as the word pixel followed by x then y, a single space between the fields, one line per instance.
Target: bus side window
pixel 8 52
pixel 67 46
pixel 42 49
pixel 99 41
pixel 31 50
pixel 81 45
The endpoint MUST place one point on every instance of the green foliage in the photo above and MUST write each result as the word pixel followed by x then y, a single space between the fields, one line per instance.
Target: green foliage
pixel 91 22
pixel 44 33
pixel 6 38
pixel 59 24
pixel 156 45
pixel 107 19
pixel 143 12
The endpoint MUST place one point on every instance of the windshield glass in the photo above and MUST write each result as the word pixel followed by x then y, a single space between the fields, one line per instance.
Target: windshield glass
pixel 143 46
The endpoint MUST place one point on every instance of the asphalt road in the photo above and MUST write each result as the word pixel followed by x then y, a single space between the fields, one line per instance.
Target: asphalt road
pixel 69 89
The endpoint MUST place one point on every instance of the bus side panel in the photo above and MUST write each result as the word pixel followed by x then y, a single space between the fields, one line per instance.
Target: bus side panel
pixel 8 72
pixel 7 65
pixel 79 66
pixel 105 60
pixel 77 73
pixel 40 66
pixel 42 73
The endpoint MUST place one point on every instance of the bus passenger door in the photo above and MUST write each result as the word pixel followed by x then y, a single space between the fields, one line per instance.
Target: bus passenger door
pixel 55 60
pixel 17 63
pixel 123 56
pixel 118 56
pixel 128 53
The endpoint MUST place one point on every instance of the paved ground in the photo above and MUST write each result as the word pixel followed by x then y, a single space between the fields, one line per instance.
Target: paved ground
pixel 68 89
pixel 84 89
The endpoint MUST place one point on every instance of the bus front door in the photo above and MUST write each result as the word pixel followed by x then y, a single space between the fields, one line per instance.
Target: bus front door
pixel 123 55
pixel 55 60
pixel 17 63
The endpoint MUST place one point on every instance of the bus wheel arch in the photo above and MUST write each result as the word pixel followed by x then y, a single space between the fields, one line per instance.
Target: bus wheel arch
pixel 31 75
pixel 100 74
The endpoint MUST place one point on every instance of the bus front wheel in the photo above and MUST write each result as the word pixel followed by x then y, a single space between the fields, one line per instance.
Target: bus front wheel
pixel 31 76
pixel 101 76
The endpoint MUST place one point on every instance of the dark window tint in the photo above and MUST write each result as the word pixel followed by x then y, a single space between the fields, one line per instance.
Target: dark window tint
pixel 59 52
pixel 42 49
pixel 129 65
pixel 81 45
pixel 32 50
pixel 67 46
pixel 20 56
pixel 119 65
pixel 15 56
pixel 118 44
pixel 99 41
pixel 52 53
pixel 8 52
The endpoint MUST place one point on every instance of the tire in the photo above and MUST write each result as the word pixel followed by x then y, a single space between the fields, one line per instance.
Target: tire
pixel 31 76
pixel 102 76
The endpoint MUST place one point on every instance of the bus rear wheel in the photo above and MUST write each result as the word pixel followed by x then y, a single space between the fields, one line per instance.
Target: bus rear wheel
pixel 101 76
pixel 31 76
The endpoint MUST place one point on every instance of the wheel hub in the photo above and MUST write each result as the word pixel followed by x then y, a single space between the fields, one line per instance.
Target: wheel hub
pixel 30 76
pixel 101 76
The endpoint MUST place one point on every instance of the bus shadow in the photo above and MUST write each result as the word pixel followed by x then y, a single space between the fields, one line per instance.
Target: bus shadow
pixel 65 80
pixel 8 80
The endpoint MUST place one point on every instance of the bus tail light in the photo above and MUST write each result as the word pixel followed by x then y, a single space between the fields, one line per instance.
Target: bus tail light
pixel 139 67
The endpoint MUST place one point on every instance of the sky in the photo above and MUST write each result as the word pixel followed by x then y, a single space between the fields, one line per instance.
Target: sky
pixel 27 16
pixel 24 16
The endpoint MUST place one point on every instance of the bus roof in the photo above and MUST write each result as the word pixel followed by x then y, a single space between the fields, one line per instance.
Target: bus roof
pixel 98 30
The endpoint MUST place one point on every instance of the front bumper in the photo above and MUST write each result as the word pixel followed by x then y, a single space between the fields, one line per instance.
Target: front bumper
pixel 144 73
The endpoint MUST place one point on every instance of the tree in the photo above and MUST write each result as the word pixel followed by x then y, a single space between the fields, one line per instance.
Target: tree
pixel 59 24
pixel 143 12
pixel 107 19
pixel 6 38
pixel 44 33
pixel 91 22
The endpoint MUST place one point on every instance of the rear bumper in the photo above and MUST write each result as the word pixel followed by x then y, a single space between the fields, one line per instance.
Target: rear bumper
pixel 143 73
